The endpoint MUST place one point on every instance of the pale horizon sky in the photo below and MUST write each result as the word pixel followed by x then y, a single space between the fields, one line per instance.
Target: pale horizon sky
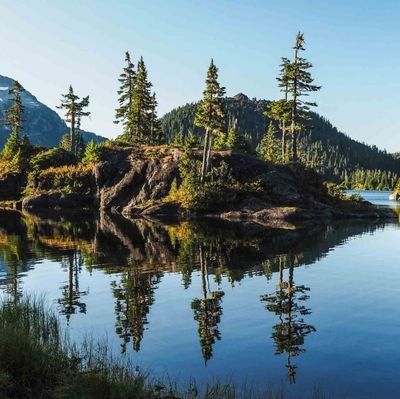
pixel 47 45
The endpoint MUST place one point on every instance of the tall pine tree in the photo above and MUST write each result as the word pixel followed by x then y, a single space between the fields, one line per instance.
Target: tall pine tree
pixel 123 114
pixel 300 85
pixel 139 122
pixel 74 111
pixel 156 134
pixel 13 118
pixel 210 114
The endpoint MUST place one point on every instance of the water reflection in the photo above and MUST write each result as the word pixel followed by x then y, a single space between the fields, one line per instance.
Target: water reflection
pixel 134 294
pixel 208 309
pixel 138 254
pixel 71 300
pixel 287 303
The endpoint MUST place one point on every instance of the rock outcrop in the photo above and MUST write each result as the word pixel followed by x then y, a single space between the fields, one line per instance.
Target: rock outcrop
pixel 136 182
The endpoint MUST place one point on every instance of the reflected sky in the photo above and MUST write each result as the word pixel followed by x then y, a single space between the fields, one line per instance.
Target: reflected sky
pixel 296 308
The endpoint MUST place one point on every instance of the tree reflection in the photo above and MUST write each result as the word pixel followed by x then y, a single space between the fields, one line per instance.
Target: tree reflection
pixel 70 302
pixel 134 295
pixel 288 304
pixel 207 310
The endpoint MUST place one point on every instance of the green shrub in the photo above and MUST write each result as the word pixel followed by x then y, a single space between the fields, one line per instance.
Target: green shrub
pixel 51 158
pixel 67 179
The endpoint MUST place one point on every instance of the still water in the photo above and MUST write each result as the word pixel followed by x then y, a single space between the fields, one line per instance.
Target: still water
pixel 298 308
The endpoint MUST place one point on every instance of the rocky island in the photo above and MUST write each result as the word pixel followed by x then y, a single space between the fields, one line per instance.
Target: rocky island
pixel 148 181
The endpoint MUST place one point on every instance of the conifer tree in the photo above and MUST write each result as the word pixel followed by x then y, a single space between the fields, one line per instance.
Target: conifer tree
pixel 283 107
pixel 15 113
pixel 123 114
pixel 268 148
pixel 156 134
pixel 300 84
pixel 210 114
pixel 11 147
pixel 139 122
pixel 74 111
pixel 14 119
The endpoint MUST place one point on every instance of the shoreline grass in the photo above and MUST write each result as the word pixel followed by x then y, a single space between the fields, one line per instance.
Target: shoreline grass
pixel 38 361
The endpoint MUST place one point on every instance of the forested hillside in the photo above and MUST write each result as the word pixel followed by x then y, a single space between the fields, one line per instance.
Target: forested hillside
pixel 322 146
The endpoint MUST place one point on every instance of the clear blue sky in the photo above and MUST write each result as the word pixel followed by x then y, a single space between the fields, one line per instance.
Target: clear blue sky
pixel 353 44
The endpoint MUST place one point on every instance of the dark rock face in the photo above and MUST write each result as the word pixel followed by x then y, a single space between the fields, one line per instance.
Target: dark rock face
pixel 127 181
pixel 134 182
pixel 11 186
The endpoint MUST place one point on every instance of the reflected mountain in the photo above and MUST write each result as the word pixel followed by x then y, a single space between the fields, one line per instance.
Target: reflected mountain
pixel 138 253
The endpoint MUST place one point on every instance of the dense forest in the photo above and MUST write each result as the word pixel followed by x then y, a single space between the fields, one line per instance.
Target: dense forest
pixel 321 146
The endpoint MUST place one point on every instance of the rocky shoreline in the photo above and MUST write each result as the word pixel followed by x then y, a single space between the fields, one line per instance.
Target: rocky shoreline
pixel 137 184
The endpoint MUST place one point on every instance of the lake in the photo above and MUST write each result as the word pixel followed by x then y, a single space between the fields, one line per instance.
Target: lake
pixel 292 308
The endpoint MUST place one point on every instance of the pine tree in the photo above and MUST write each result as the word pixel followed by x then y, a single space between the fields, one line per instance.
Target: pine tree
pixel 280 111
pixel 74 108
pixel 14 119
pixel 268 148
pixel 232 138
pixel 156 134
pixel 15 113
pixel 283 107
pixel 210 114
pixel 139 122
pixel 300 84
pixel 123 114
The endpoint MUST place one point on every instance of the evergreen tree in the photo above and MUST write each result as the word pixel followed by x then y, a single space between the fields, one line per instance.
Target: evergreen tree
pixel 268 149
pixel 64 142
pixel 13 118
pixel 74 107
pixel 91 153
pixel 15 112
pixel 140 121
pixel 11 147
pixel 232 138
pixel 156 134
pixel 280 111
pixel 123 114
pixel 300 84
pixel 210 114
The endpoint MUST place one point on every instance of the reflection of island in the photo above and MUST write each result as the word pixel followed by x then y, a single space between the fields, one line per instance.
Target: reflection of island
pixel 139 252
pixel 288 304
pixel 207 310
pixel 70 302
pixel 134 295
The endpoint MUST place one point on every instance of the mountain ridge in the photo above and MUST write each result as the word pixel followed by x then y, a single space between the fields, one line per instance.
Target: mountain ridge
pixel 42 125
pixel 332 153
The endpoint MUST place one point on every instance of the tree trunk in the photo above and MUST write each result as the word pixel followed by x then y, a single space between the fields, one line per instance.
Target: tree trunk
pixel 294 143
pixel 209 153
pixel 283 142
pixel 204 162
pixel 72 133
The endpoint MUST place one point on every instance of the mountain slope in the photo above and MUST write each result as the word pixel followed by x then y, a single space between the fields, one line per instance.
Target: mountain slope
pixel 42 125
pixel 332 153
